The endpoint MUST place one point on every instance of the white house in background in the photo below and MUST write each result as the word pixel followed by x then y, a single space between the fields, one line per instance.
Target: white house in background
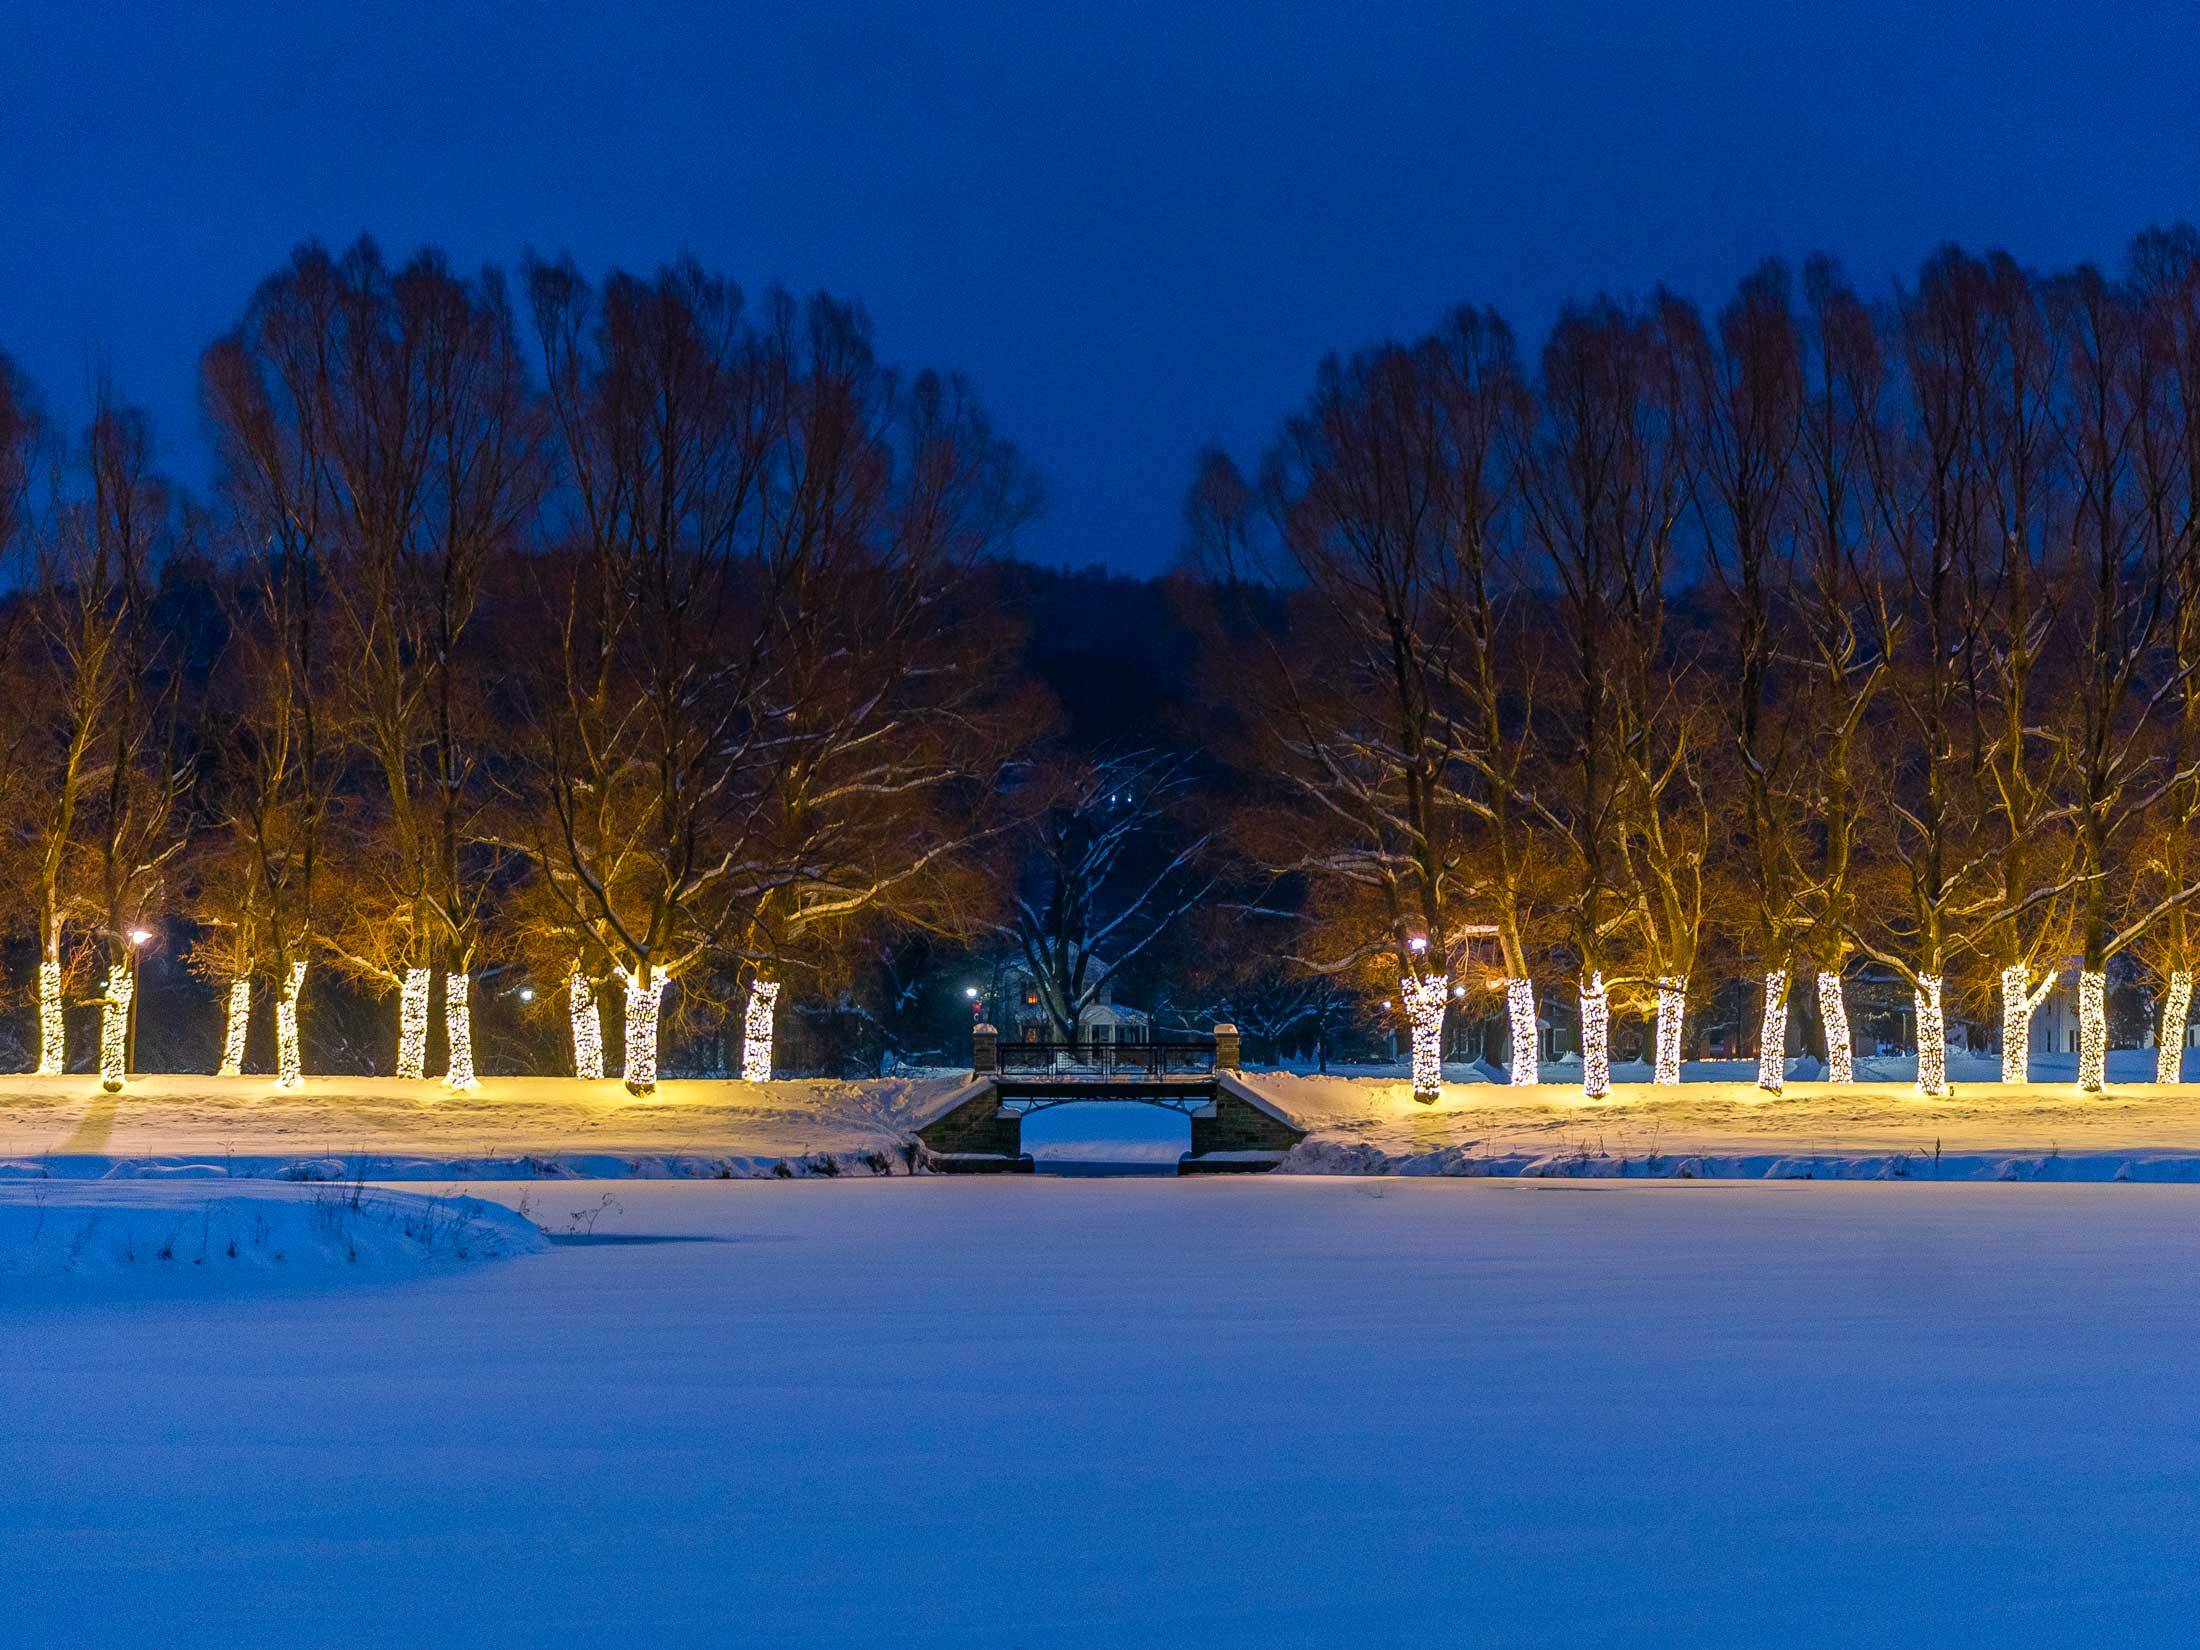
pixel 2055 1021
pixel 1103 1025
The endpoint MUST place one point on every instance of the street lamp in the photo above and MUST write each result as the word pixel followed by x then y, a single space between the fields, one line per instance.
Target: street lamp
pixel 526 993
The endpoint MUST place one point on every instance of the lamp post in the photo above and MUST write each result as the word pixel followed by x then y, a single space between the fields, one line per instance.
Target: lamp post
pixel 138 938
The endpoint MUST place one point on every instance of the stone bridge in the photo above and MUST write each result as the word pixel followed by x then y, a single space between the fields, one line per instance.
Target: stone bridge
pixel 978 1129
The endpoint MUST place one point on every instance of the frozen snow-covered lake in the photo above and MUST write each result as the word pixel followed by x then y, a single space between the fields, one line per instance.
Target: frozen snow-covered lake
pixel 1270 1412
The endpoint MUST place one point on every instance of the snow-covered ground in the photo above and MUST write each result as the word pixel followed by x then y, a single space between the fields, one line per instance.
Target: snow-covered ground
pixel 1877 1127
pixel 186 1237
pixel 506 1128
pixel 1718 1125
pixel 1267 1413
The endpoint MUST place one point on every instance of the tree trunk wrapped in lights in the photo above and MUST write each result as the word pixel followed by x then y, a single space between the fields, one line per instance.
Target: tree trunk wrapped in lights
pixel 114 1028
pixel 641 1032
pixel 2092 1030
pixel 2019 999
pixel 412 1024
pixel 1596 1037
pixel 1520 1015
pixel 52 1040
pixel 756 1041
pixel 458 1030
pixel 1833 1010
pixel 1772 1034
pixel 587 1027
pixel 234 1029
pixel 1932 1038
pixel 2169 1052
pixel 1424 999
pixel 1672 1010
pixel 289 1067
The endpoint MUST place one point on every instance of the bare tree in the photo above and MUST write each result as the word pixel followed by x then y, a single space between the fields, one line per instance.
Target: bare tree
pixel 1105 880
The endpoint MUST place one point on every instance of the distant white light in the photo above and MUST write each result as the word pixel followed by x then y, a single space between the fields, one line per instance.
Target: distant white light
pixel 526 993
pixel 1419 942
pixel 971 992
pixel 138 936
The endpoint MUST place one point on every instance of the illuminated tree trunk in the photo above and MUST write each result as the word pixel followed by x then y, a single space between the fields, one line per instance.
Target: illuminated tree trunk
pixel 1932 1038
pixel 1772 1034
pixel 2019 999
pixel 1424 1000
pixel 458 1030
pixel 756 1042
pixel 587 1027
pixel 114 1028
pixel 1520 1012
pixel 239 1021
pixel 1833 1010
pixel 289 1065
pixel 2169 1050
pixel 1672 1011
pixel 1596 1037
pixel 412 1024
pixel 641 1033
pixel 52 1042
pixel 2092 1030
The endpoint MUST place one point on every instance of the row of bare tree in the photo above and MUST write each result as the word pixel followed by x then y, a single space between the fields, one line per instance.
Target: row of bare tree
pixel 623 624
pixel 1820 630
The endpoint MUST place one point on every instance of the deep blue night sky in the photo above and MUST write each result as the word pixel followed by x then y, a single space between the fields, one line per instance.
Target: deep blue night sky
pixel 1135 226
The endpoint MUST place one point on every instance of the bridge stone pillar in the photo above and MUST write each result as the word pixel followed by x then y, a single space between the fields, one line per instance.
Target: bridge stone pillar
pixel 1226 1047
pixel 985 1050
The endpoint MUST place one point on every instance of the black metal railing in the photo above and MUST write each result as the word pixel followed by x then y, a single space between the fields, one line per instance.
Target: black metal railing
pixel 1142 1059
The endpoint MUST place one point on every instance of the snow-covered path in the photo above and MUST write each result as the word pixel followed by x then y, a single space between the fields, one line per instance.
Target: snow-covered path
pixel 1269 1413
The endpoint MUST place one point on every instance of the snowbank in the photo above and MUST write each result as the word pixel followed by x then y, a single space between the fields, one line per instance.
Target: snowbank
pixel 1874 1129
pixel 62 1233
pixel 506 1129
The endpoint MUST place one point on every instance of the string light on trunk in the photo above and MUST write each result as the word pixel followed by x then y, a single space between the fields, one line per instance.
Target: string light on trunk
pixel 756 1028
pixel 1772 1034
pixel 641 1031
pixel 1932 1038
pixel 412 1024
pixel 1520 1015
pixel 289 1067
pixel 114 1028
pixel 1672 1010
pixel 2169 1053
pixel 52 1039
pixel 1596 1032
pixel 235 1027
pixel 1833 1012
pixel 2092 1030
pixel 587 1027
pixel 1424 999
pixel 458 1031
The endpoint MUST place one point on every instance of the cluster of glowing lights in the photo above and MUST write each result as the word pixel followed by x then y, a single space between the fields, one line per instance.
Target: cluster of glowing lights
pixel 412 1025
pixel 2019 1000
pixel 2092 1030
pixel 1932 1038
pixel 1833 1010
pixel 587 1027
pixel 458 1031
pixel 1425 996
pixel 641 1031
pixel 289 1068
pixel 1520 1015
pixel 756 1041
pixel 1672 1009
pixel 52 1049
pixel 233 1031
pixel 1772 1036
pixel 114 1028
pixel 1596 1039
pixel 2169 1053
